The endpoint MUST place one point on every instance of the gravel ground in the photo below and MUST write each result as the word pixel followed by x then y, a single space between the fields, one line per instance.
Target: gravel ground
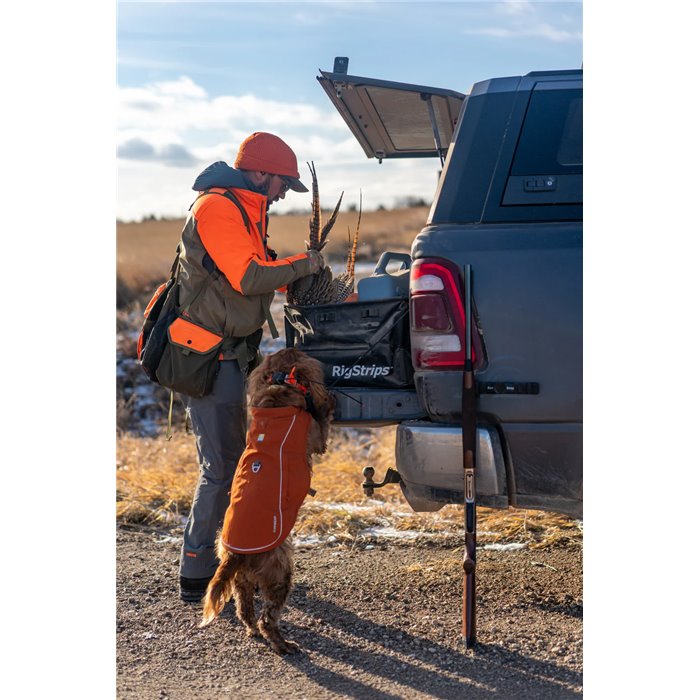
pixel 380 621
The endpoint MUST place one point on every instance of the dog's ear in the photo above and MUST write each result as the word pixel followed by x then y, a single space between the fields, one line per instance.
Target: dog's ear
pixel 323 400
pixel 257 376
pixel 310 369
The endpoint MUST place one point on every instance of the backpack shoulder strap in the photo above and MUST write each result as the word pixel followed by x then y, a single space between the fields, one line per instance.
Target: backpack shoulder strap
pixel 174 268
pixel 232 198
pixel 246 220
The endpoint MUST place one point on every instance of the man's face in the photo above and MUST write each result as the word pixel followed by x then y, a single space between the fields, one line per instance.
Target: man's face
pixel 277 187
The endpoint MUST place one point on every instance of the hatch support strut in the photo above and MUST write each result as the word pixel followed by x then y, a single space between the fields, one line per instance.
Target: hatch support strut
pixel 433 122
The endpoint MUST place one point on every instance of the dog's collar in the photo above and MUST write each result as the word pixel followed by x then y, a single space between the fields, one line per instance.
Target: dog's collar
pixel 289 379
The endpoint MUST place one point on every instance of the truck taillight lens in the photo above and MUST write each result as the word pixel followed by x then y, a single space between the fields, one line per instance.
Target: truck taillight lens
pixel 437 317
pixel 430 312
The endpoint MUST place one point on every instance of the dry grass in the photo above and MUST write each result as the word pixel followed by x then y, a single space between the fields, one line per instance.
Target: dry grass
pixel 156 480
pixel 145 250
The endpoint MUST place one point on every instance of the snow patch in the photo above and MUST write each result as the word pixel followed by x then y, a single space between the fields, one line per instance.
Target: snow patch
pixel 169 539
pixel 394 534
pixel 372 505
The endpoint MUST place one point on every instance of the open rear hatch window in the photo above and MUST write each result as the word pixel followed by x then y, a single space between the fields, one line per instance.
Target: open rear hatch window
pixel 395 120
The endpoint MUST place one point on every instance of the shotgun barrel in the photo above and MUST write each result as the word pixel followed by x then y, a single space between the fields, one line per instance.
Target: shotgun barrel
pixel 469 464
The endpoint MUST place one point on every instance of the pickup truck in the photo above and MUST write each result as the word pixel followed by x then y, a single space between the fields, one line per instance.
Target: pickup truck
pixel 508 205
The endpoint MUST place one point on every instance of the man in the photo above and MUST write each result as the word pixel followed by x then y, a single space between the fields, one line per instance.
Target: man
pixel 228 276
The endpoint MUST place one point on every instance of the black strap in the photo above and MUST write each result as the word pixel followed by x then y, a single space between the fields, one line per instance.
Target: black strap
pixel 246 220
pixel 174 269
pixel 242 347
pixel 214 273
pixel 232 198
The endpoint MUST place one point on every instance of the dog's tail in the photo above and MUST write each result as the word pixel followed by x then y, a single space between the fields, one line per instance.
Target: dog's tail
pixel 220 589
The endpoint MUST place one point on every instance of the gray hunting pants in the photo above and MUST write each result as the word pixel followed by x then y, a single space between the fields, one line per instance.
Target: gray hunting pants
pixel 219 425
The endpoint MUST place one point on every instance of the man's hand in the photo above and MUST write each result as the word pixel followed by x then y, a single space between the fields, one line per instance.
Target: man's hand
pixel 316 261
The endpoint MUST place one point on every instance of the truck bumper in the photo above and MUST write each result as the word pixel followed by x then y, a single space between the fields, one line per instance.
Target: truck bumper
pixel 429 460
pixel 429 453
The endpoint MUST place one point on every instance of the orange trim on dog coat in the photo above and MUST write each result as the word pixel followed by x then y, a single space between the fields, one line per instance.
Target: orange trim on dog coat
pixel 271 481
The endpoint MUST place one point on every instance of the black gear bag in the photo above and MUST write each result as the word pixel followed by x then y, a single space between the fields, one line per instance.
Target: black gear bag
pixel 187 368
pixel 160 312
pixel 362 344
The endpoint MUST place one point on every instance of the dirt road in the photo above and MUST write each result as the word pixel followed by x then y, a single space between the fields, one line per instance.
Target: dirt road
pixel 379 621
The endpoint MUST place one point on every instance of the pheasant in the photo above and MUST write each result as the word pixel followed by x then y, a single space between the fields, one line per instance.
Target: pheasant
pixel 344 284
pixel 321 287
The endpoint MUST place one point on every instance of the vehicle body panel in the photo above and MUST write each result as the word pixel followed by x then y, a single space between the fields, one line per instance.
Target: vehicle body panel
pixel 528 292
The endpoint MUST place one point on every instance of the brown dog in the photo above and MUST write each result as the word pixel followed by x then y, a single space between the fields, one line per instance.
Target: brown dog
pixel 291 384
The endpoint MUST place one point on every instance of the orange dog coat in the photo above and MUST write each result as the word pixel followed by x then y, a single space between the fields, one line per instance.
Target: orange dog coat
pixel 271 481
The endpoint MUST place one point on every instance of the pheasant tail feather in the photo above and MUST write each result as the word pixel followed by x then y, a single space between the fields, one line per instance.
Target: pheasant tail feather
pixel 315 220
pixel 353 248
pixel 329 224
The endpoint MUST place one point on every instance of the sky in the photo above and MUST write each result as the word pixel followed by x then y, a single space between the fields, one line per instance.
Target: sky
pixel 194 79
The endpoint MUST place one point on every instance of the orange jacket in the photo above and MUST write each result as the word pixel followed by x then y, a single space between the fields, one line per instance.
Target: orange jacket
pixel 237 302
pixel 271 481
pixel 243 258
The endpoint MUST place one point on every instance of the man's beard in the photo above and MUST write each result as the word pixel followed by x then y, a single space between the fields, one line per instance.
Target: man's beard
pixel 260 189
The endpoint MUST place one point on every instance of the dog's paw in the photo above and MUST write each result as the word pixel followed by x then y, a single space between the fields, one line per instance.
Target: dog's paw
pixel 287 647
pixel 253 632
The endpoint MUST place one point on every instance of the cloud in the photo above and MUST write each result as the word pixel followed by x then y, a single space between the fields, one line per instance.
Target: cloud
pixel 520 19
pixel 182 104
pixel 254 110
pixel 514 7
pixel 308 19
pixel 147 188
pixel 175 154
pixel 160 95
pixel 182 87
pixel 547 31
pixel 157 120
pixel 172 154
pixel 539 31
pixel 136 149
pixel 167 128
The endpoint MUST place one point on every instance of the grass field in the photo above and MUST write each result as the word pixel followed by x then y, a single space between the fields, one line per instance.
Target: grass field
pixel 155 478
pixel 146 250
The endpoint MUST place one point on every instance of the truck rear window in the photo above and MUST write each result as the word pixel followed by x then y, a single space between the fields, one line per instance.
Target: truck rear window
pixel 547 167
pixel 551 140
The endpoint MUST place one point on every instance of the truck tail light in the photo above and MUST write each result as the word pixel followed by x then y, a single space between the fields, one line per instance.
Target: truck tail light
pixel 438 318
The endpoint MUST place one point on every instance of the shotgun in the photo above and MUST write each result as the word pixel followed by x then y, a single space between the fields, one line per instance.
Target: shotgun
pixel 469 464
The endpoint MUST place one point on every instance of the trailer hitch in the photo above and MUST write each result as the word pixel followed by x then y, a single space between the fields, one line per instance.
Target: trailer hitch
pixel 368 485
